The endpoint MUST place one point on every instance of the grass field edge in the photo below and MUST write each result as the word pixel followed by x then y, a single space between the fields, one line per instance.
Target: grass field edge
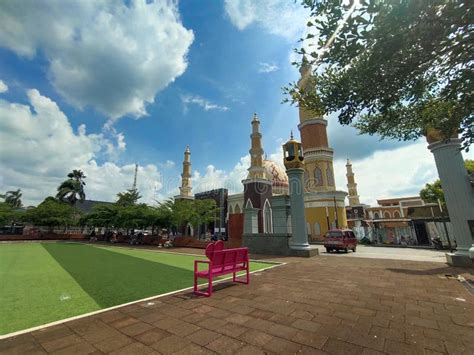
pixel 61 321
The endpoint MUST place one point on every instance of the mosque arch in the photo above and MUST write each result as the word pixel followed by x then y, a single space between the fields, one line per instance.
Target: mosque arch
pixel 376 215
pixel 396 214
pixel 308 229
pixel 237 209
pixel 267 218
pixel 249 204
pixel 386 214
pixel 231 210
pixel 318 176
pixel 330 176
pixel 317 229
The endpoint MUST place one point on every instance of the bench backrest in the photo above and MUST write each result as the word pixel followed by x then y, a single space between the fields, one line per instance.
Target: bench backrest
pixel 226 257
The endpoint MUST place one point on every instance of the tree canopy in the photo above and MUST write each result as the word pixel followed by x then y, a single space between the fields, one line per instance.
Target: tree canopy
pixel 392 68
pixel 72 189
pixel 128 198
pixel 13 198
pixel 52 213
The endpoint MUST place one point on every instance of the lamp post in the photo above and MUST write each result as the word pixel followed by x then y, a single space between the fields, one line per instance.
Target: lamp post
pixel 293 160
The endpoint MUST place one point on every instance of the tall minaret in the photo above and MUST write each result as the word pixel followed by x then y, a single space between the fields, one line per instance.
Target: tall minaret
pixel 351 186
pixel 257 188
pixel 317 154
pixel 185 189
pixel 256 170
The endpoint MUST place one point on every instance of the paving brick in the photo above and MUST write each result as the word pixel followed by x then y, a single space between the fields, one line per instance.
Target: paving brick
pixel 114 343
pixel 282 346
pixel 225 345
pixel 203 337
pixel 193 349
pixel 310 339
pixel 60 343
pixel 170 344
pixel 124 322
pixel 397 347
pixel 255 337
pixel 79 348
pixel 282 331
pixel 334 346
pixel 306 325
pixel 133 348
pixel 152 336
pixel 136 328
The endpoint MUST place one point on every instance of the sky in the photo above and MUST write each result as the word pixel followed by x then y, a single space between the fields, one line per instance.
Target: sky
pixel 103 85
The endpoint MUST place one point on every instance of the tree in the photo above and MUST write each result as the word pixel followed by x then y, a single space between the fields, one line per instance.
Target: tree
pixel 434 191
pixel 394 68
pixel 8 214
pixel 103 215
pixel 128 198
pixel 13 198
pixel 52 213
pixel 72 190
pixel 469 165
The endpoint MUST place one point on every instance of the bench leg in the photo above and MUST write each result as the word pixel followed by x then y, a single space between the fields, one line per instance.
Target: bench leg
pixel 247 277
pixel 202 293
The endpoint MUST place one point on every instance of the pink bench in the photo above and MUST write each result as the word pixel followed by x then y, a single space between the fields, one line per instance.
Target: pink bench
pixel 221 262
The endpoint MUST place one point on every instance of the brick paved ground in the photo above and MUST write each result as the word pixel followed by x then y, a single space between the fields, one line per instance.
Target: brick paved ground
pixel 334 305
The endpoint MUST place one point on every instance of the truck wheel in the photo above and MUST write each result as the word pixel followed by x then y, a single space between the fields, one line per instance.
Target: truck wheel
pixel 354 249
pixel 345 250
pixel 328 250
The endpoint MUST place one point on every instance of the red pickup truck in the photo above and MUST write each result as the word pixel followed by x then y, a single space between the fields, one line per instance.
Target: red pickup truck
pixel 340 239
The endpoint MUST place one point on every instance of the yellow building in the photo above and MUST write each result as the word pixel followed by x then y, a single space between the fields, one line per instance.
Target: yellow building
pixel 324 205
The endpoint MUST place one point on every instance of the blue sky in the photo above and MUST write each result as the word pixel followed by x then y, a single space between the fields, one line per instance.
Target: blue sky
pixel 102 86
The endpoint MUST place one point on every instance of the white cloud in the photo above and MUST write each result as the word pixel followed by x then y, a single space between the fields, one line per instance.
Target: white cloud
pixel 3 87
pixel 280 17
pixel 39 147
pixel 390 173
pixel 267 67
pixel 201 102
pixel 105 54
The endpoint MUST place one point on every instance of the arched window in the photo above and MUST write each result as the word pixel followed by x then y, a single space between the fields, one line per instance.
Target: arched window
pixel 237 209
pixel 396 214
pixel 386 214
pixel 267 218
pixel 330 176
pixel 249 204
pixel 306 179
pixel 308 229
pixel 376 215
pixel 231 210
pixel 317 229
pixel 318 177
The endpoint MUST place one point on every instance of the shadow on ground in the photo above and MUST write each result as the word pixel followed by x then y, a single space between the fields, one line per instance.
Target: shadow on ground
pixel 112 278
pixel 447 271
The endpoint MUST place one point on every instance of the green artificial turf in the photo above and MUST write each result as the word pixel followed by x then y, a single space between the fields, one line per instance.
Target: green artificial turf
pixel 45 282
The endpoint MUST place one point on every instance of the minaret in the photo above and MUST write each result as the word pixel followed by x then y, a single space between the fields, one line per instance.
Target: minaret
pixel 185 189
pixel 257 188
pixel 324 205
pixel 317 154
pixel 351 186
pixel 256 170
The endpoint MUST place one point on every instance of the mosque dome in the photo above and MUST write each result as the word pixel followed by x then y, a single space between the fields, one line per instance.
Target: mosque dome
pixel 278 176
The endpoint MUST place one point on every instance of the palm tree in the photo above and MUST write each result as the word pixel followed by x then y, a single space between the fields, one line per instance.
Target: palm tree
pixel 13 198
pixel 72 190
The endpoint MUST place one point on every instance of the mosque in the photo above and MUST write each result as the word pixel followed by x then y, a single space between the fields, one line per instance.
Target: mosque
pixel 324 204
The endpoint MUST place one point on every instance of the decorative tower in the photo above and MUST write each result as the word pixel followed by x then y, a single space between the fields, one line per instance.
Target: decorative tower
pixel 257 188
pixel 351 186
pixel 134 186
pixel 324 205
pixel 185 189
pixel 293 160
